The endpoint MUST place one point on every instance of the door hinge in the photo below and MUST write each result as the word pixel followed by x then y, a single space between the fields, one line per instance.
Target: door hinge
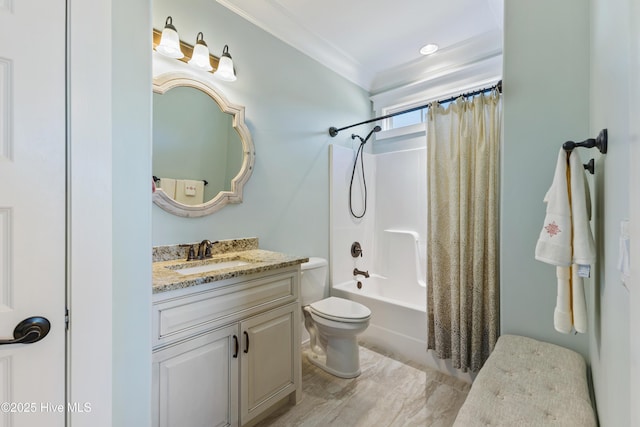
pixel 66 318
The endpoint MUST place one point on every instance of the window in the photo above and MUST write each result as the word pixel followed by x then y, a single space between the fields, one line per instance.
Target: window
pixel 406 119
pixel 410 118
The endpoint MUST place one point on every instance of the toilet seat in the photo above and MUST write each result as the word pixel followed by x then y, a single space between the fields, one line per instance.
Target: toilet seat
pixel 341 310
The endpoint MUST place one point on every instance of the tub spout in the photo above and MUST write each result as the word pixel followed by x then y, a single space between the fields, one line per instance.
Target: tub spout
pixel 360 272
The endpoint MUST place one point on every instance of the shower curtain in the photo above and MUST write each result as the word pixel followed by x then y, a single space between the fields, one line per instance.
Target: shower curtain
pixel 463 143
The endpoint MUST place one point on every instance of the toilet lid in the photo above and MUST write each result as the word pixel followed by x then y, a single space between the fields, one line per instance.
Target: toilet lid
pixel 340 309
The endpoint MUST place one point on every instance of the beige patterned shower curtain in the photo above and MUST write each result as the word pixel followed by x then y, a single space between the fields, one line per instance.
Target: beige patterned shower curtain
pixel 463 142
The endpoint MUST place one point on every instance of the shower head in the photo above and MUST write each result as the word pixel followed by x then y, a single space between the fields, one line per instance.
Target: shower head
pixel 375 129
pixel 364 141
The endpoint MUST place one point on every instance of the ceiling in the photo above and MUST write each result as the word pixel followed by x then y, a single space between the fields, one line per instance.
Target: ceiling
pixel 372 42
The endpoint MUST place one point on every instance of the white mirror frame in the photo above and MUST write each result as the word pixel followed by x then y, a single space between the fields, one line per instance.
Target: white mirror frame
pixel 163 83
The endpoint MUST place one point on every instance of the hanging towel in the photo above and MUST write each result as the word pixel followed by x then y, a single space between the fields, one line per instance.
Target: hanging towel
pixel 566 240
pixel 584 251
pixel 578 301
pixel 554 243
pixel 168 185
pixel 190 192
pixel 624 263
pixel 583 246
pixel 562 314
pixel 571 306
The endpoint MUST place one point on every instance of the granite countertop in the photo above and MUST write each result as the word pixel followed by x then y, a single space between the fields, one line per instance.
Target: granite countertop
pixel 165 278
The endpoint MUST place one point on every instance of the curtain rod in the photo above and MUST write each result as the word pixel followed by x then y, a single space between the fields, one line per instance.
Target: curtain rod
pixel 334 131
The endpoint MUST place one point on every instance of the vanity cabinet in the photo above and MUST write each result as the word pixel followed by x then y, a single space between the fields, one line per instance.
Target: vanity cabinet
pixel 195 382
pixel 268 359
pixel 226 351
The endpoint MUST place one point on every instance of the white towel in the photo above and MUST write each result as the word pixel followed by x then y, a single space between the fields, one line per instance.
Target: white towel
pixel 554 243
pixel 566 240
pixel 571 307
pixel 624 263
pixel 168 185
pixel 578 302
pixel 190 192
pixel 562 314
pixel 584 251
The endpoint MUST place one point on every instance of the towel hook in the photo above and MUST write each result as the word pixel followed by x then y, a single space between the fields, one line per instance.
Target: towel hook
pixel 591 166
pixel 599 142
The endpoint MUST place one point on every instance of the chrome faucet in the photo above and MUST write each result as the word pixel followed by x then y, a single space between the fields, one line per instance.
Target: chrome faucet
pixel 362 273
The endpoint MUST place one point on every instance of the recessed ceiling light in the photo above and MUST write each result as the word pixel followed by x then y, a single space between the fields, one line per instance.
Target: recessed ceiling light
pixel 428 49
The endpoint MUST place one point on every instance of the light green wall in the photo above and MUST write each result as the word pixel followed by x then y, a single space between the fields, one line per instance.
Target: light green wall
pixel 565 78
pixel 634 207
pixel 131 204
pixel 609 90
pixel 291 101
pixel 546 102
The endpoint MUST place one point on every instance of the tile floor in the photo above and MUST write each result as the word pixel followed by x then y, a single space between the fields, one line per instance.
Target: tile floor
pixel 387 393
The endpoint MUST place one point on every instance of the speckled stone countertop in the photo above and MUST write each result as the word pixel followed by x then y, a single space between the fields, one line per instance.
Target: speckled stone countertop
pixel 167 259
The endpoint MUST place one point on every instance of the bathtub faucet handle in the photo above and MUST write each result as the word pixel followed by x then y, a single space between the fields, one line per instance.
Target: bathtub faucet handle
pixel 360 272
pixel 356 250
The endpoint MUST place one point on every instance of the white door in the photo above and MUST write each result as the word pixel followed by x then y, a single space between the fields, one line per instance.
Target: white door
pixel 32 209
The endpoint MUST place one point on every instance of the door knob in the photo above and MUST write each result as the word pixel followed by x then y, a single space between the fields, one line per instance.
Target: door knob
pixel 29 331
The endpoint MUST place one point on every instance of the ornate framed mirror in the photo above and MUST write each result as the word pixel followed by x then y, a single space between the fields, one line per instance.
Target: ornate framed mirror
pixel 198 136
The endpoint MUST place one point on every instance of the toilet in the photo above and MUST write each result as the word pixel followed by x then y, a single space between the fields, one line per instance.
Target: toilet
pixel 333 323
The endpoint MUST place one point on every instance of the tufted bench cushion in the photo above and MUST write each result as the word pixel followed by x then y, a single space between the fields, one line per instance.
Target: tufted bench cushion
pixel 526 382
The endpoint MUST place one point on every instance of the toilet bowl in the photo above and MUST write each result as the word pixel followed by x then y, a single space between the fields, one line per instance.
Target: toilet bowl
pixel 333 323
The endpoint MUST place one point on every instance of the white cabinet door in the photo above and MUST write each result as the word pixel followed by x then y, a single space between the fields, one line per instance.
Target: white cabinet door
pixel 270 362
pixel 195 383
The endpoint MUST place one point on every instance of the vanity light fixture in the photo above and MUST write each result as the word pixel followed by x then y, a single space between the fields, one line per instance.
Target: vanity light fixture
pixel 168 44
pixel 225 69
pixel 428 49
pixel 200 57
pixel 170 41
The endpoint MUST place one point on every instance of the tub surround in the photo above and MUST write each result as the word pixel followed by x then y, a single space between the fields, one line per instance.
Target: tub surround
pixel 168 259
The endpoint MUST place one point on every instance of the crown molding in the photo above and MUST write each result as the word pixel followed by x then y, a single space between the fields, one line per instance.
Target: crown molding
pixel 277 21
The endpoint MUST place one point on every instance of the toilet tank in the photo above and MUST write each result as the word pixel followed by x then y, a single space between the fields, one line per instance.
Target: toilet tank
pixel 313 283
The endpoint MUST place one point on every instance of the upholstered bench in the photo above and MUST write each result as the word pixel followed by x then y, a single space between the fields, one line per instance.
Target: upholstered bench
pixel 526 382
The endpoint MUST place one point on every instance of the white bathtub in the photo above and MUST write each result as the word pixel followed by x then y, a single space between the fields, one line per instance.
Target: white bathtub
pixel 396 296
pixel 398 320
pixel 398 314
pixel 412 296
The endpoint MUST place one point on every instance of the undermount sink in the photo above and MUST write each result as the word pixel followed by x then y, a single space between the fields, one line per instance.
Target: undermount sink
pixel 212 266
